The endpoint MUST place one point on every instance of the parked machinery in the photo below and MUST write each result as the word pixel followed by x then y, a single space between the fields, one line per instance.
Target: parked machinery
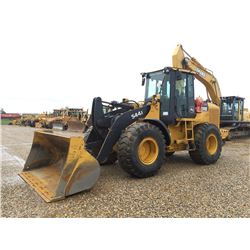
pixel 234 116
pixel 139 135
pixel 71 119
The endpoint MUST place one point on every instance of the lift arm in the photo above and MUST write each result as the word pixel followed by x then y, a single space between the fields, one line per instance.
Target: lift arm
pixel 181 59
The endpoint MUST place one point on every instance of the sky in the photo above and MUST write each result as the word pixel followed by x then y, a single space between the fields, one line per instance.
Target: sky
pixel 64 53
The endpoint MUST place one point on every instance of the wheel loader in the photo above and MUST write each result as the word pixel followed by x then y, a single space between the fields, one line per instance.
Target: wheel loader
pixel 71 119
pixel 137 134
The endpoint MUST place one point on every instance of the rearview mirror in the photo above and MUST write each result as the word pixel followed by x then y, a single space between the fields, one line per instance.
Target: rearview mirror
pixel 143 81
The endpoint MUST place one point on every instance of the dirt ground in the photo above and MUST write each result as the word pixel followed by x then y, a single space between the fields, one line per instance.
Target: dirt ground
pixel 180 189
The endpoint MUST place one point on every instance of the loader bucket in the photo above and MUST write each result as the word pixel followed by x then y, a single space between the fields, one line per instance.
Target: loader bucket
pixel 58 166
pixel 75 125
pixel 58 125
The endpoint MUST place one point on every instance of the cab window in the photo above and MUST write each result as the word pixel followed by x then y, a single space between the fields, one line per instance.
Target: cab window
pixel 153 84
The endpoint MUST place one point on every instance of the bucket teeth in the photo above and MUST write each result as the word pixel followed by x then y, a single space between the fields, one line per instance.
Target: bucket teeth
pixel 38 186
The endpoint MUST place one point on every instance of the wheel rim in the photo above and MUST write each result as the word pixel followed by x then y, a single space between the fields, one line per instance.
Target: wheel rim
pixel 211 144
pixel 148 151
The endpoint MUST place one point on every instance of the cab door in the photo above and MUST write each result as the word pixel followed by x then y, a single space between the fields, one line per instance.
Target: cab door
pixel 167 99
pixel 241 109
pixel 184 95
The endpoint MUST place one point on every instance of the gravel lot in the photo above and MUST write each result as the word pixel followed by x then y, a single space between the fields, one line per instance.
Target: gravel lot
pixel 181 188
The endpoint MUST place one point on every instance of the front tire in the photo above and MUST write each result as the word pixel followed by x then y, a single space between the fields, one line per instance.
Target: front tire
pixel 141 149
pixel 208 144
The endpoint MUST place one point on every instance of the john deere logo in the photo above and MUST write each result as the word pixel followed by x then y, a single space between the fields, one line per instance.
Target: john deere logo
pixel 200 72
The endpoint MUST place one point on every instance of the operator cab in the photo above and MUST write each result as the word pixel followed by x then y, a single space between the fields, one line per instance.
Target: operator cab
pixel 232 108
pixel 176 90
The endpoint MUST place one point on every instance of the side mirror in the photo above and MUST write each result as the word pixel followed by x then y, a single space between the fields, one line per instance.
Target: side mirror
pixel 144 75
pixel 143 81
pixel 166 70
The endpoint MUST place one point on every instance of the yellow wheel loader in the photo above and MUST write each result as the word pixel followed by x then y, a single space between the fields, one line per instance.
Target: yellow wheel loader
pixel 70 119
pixel 138 135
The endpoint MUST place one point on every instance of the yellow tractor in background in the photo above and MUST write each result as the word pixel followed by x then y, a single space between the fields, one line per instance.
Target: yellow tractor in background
pixel 27 120
pixel 40 120
pixel 137 134
pixel 72 119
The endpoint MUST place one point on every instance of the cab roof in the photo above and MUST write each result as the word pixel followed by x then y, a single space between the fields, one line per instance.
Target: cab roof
pixel 166 69
pixel 232 97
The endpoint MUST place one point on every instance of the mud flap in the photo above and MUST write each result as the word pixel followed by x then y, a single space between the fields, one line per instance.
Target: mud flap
pixel 58 166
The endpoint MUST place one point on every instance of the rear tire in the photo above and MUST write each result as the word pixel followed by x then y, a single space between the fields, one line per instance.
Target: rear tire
pixel 208 144
pixel 141 149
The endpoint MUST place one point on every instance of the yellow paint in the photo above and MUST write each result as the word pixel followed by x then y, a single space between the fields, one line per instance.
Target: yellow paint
pixel 182 133
pixel 177 57
pixel 148 151
pixel 154 112
pixel 211 144
pixel 58 166
pixel 180 59
pixel 246 115
pixel 224 133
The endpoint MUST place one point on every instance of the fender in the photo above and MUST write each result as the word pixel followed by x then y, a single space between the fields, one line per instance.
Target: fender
pixel 121 122
pixel 164 129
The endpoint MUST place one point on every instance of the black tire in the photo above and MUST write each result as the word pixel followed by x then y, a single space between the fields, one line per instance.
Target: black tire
pixel 168 154
pixel 128 146
pixel 202 155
